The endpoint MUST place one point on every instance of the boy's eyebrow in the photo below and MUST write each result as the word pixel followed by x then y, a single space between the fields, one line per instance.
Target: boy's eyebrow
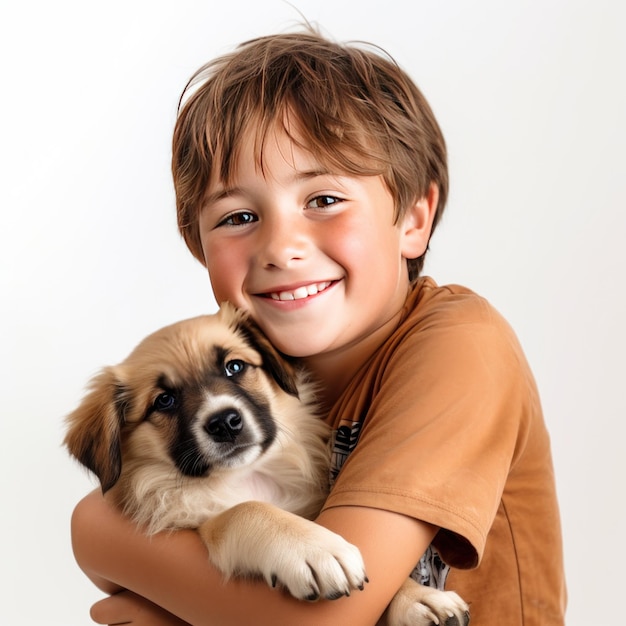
pixel 226 192
pixel 211 198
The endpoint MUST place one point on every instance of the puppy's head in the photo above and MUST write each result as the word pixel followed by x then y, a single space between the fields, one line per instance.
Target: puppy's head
pixel 197 395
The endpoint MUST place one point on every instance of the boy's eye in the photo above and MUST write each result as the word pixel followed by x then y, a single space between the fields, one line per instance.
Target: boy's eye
pixel 238 219
pixel 321 202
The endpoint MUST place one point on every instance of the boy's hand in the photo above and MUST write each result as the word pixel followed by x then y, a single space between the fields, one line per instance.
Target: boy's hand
pixel 127 607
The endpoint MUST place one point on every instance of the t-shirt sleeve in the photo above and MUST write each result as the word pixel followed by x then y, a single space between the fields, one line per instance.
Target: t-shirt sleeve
pixel 445 423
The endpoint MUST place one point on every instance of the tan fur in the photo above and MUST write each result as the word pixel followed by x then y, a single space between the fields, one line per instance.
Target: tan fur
pixel 253 504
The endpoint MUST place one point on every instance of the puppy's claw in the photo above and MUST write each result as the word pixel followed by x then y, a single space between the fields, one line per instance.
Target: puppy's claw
pixel 336 595
pixel 458 620
pixel 274 581
pixel 453 620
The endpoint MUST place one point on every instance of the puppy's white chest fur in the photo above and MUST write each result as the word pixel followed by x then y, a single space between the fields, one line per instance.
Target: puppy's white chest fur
pixel 260 487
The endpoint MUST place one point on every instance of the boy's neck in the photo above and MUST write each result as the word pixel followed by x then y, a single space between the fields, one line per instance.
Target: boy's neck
pixel 334 370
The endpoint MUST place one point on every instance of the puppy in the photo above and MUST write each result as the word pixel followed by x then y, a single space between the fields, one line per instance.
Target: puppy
pixel 206 426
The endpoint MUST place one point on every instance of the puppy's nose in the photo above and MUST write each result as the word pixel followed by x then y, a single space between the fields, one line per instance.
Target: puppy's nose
pixel 225 426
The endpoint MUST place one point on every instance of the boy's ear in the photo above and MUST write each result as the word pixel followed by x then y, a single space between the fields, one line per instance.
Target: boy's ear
pixel 417 223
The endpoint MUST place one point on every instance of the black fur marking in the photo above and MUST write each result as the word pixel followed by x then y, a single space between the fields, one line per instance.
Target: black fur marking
pixel 276 365
pixel 88 457
pixel 258 405
pixel 108 476
pixel 221 354
pixel 188 457
pixel 263 414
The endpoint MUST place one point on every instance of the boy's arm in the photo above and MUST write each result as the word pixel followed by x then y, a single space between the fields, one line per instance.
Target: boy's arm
pixel 173 570
pixel 127 607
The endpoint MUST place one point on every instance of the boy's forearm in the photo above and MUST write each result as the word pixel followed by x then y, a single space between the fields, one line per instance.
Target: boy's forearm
pixel 115 555
pixel 173 570
pixel 85 548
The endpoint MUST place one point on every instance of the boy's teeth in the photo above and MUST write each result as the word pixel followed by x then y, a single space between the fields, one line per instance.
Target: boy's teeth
pixel 301 292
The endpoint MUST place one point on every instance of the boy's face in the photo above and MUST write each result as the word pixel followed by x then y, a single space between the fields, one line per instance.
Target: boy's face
pixel 313 255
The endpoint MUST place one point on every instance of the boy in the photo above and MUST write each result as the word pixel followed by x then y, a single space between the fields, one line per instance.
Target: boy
pixel 309 178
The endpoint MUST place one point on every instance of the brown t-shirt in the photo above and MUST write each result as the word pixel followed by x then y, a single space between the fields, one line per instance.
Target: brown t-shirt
pixel 450 431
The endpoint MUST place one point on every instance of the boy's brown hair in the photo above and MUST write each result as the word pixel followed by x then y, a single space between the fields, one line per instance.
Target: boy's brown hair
pixel 352 106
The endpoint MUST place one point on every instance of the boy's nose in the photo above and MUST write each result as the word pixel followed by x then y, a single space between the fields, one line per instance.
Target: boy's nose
pixel 282 244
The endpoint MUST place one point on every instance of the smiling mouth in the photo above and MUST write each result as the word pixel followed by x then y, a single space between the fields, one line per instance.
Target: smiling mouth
pixel 301 292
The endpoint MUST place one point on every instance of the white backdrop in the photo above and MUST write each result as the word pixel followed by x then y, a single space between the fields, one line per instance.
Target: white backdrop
pixel 531 97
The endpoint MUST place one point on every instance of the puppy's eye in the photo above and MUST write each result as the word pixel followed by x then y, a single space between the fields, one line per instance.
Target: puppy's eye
pixel 234 367
pixel 165 401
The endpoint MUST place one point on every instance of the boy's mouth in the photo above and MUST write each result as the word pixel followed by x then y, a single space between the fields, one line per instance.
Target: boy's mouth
pixel 300 293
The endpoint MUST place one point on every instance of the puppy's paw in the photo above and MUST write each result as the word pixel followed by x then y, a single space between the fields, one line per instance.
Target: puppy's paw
pixel 258 539
pixel 316 563
pixel 416 605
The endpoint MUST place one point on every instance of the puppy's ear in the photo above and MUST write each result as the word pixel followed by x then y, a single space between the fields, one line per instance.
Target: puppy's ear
pixel 93 435
pixel 277 365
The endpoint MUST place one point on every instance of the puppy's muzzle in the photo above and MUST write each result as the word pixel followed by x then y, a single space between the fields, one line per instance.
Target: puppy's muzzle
pixel 225 426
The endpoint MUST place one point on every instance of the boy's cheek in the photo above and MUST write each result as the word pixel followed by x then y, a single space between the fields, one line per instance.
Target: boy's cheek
pixel 226 288
pixel 219 283
pixel 220 294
